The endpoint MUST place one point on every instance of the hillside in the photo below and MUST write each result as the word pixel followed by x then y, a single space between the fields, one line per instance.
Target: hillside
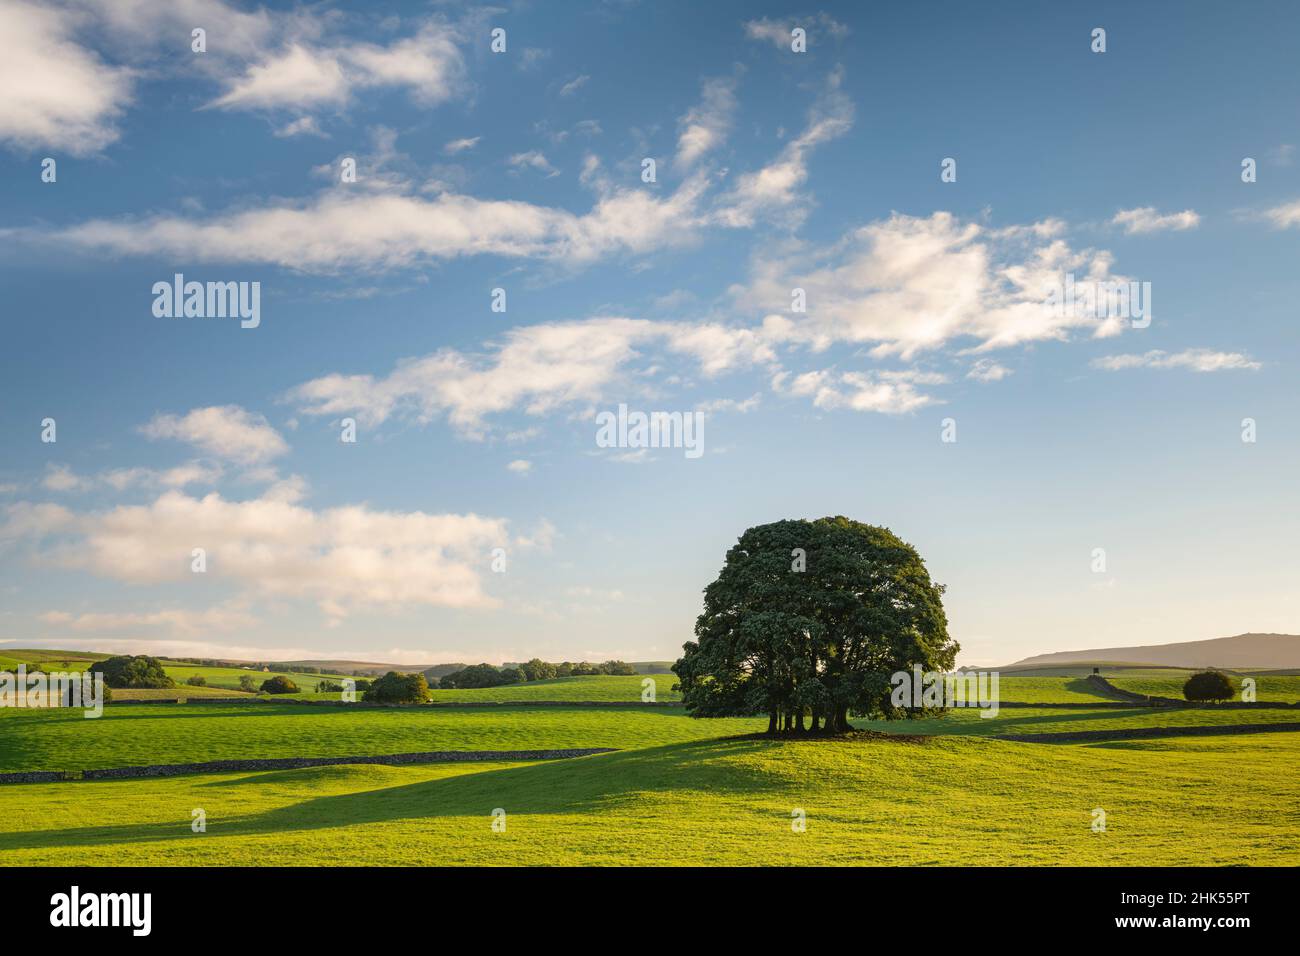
pixel 1257 651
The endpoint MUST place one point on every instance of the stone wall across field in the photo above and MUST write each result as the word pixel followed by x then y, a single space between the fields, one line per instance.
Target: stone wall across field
pixel 1141 733
pixel 1106 687
pixel 295 763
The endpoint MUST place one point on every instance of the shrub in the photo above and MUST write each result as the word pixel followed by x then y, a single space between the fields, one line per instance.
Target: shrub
pixel 132 671
pixel 326 686
pixel 197 680
pixel 279 684
pixel 395 688
pixel 247 683
pixel 618 667
pixel 1209 685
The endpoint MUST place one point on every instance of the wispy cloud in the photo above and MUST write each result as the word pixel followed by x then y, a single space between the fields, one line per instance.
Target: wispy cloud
pixel 1196 360
pixel 1146 219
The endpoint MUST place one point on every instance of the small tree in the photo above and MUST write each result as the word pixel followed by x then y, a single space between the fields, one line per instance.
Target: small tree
pixel 1209 685
pixel 395 688
pixel 279 684
pixel 246 683
pixel 197 680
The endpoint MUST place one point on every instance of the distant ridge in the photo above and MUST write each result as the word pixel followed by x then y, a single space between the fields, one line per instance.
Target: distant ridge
pixel 1258 651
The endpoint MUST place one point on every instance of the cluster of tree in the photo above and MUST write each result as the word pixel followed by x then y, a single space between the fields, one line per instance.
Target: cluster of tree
pixel 487 675
pixel 1209 685
pixel 395 688
pixel 132 671
pixel 279 684
pixel 810 619
pixel 246 683
pixel 480 675
pixel 197 680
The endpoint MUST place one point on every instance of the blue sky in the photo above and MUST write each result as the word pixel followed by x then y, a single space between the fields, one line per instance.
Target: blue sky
pixel 522 170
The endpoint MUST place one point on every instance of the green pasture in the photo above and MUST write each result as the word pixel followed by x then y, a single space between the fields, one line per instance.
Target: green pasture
pixel 944 801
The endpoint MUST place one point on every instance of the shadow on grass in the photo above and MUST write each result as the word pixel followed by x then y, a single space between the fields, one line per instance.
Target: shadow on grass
pixel 577 785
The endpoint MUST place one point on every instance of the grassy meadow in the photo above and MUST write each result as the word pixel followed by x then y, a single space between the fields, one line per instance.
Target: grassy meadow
pixel 945 801
pixel 679 789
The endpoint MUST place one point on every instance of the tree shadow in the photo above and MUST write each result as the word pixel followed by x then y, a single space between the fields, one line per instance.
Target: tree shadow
pixel 572 786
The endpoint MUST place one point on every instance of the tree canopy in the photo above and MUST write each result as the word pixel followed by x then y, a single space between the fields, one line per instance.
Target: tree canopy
pixel 279 684
pixel 810 619
pixel 1209 685
pixel 132 671
pixel 395 688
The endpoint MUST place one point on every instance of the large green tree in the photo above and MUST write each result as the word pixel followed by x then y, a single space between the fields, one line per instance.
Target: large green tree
pixel 129 671
pixel 809 620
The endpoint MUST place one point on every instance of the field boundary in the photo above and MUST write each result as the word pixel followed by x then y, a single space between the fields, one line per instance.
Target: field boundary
pixel 1141 733
pixel 296 763
pixel 1105 686
pixel 371 705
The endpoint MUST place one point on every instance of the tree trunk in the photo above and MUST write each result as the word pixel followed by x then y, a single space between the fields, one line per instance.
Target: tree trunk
pixel 815 718
pixel 798 722
pixel 771 722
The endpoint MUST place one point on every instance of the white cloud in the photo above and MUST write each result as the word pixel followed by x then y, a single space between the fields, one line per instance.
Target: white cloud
pixel 224 431
pixel 172 620
pixel 461 145
pixel 887 392
pixel 776 186
pixel 1146 219
pixel 577 83
pixel 539 368
pixel 1284 216
pixel 987 370
pixel 302 126
pixel 520 466
pixel 61 478
pixel 705 126
pixel 350 230
pixel 305 75
pixel 908 284
pixel 777 32
pixel 533 159
pixel 58 94
pixel 342 558
pixel 536 369
pixel 1197 360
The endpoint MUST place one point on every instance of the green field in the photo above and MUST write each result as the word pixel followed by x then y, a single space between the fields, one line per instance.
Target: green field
pixel 219 677
pixel 1267 688
pixel 133 735
pixel 1047 690
pixel 680 790
pixel 948 801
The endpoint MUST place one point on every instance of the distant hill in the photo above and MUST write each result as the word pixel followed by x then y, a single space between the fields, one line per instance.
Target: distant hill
pixel 1256 651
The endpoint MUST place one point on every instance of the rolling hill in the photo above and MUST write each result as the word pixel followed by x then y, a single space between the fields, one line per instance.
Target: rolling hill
pixel 1254 651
